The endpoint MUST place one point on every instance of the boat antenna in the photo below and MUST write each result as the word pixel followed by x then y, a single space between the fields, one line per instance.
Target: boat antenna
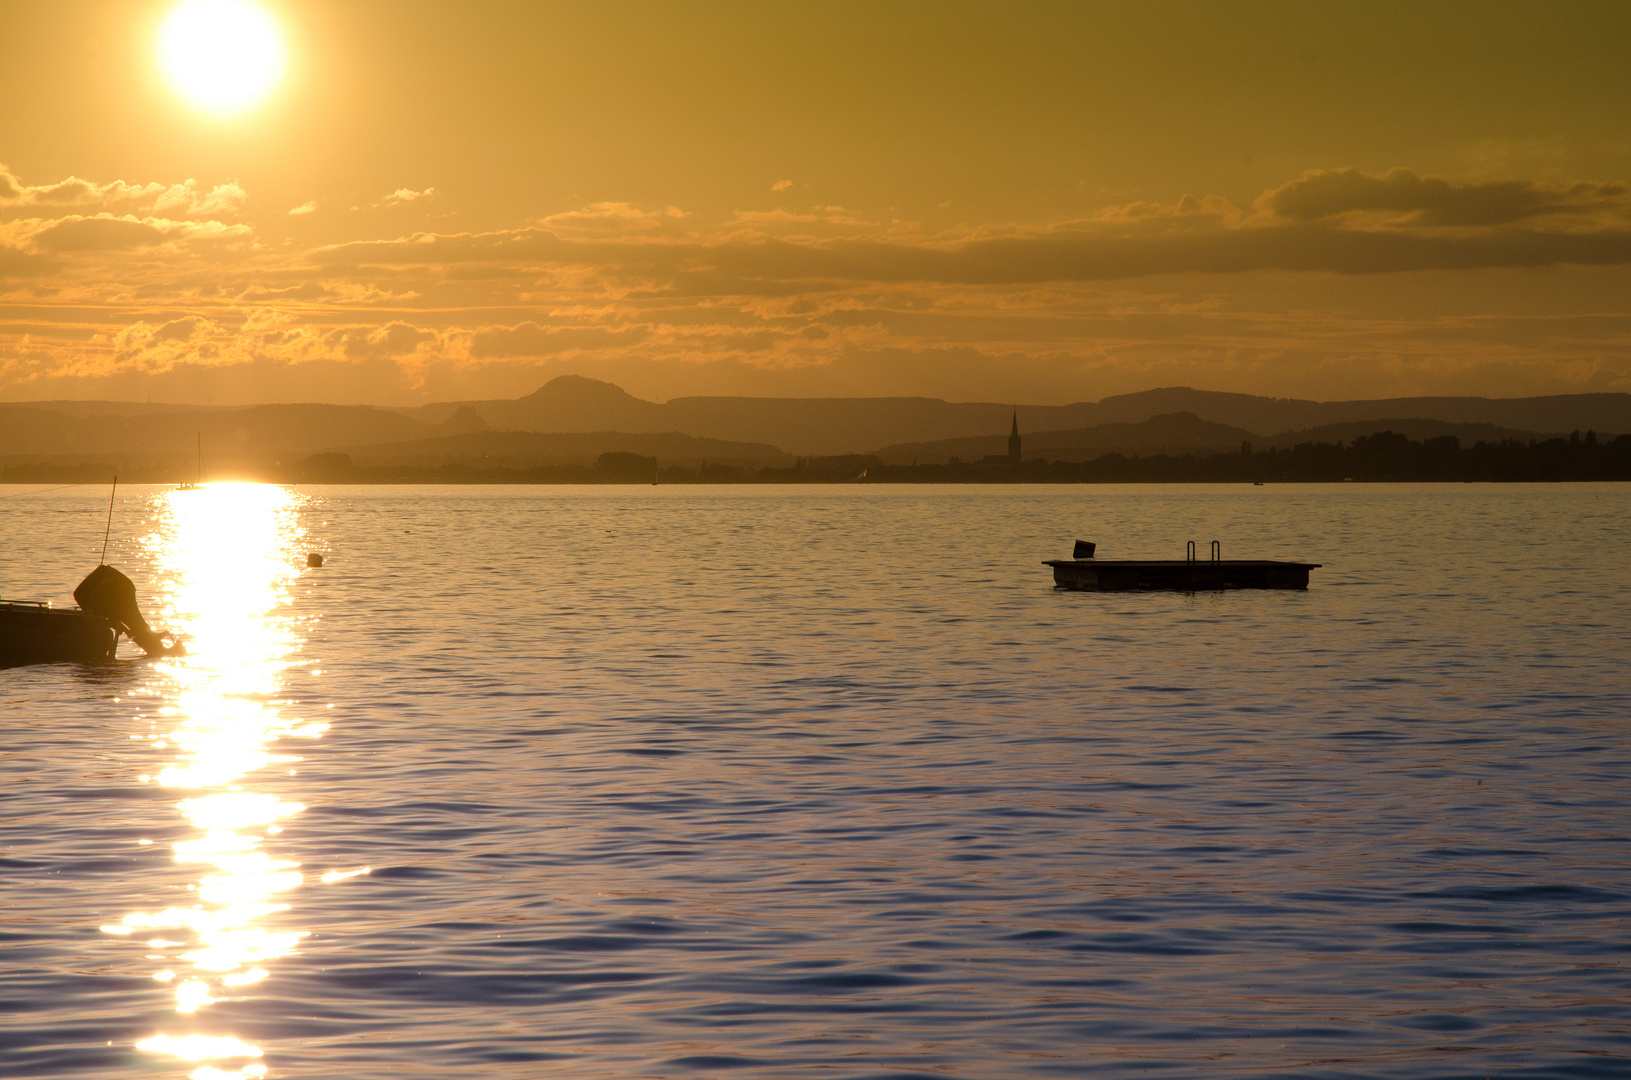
pixel 109 530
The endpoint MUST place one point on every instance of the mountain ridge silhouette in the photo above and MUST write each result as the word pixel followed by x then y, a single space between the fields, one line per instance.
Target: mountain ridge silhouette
pixel 575 404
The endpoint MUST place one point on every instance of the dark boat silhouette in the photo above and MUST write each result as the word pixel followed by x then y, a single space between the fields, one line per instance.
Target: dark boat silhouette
pixel 36 633
pixel 189 485
pixel 1084 573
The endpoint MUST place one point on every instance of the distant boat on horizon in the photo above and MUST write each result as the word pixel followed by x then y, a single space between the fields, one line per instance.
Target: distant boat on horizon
pixel 191 485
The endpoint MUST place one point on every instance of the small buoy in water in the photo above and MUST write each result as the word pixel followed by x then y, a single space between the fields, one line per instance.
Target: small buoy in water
pixel 314 559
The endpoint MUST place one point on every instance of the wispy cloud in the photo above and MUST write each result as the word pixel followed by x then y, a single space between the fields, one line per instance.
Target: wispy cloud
pixel 531 339
pixel 1190 237
pixel 614 218
pixel 187 198
pixel 1401 200
pixel 107 232
pixel 307 207
pixel 403 196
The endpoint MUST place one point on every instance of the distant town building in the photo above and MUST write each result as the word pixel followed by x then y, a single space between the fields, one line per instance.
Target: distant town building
pixel 1012 456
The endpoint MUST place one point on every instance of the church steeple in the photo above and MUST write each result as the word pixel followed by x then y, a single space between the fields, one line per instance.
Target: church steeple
pixel 1013 440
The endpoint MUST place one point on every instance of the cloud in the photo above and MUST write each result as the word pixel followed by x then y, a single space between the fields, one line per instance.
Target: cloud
pixel 309 290
pixel 159 347
pixel 1419 201
pixel 188 198
pixel 307 207
pixel 1086 255
pixel 1091 251
pixel 814 215
pixel 511 245
pixel 101 233
pixel 613 218
pixel 15 262
pixel 403 196
pixel 178 330
pixel 105 232
pixel 346 292
pixel 531 339
pixel 223 199
pixel 393 340
pixel 1195 290
pixel 781 185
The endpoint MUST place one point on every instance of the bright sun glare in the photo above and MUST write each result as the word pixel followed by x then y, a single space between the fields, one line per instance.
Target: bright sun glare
pixel 223 56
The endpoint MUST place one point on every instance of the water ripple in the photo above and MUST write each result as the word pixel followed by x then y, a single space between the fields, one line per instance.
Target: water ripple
pixel 691 783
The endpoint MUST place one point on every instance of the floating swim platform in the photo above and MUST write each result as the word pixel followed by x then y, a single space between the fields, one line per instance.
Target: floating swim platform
pixel 1088 574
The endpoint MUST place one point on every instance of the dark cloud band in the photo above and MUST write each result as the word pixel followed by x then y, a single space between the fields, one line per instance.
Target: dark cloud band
pixel 1056 256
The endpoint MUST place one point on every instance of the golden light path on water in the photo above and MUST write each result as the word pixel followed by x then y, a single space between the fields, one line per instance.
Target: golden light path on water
pixel 228 553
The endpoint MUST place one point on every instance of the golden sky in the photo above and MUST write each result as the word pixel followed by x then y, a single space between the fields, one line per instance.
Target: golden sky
pixel 1040 203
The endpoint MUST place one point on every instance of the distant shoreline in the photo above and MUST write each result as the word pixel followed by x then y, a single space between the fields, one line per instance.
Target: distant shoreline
pixel 1382 458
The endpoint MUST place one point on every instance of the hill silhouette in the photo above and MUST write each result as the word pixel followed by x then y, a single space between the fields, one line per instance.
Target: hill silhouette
pixel 256 430
pixel 1417 430
pixel 530 449
pixel 1170 419
pixel 1265 415
pixel 825 426
pixel 573 403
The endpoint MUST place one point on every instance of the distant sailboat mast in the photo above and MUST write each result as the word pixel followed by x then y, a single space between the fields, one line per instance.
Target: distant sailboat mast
pixel 192 485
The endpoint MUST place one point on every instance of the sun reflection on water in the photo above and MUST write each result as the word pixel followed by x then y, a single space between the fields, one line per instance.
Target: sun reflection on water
pixel 228 553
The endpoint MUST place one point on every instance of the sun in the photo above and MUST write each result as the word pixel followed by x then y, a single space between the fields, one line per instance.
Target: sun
pixel 222 56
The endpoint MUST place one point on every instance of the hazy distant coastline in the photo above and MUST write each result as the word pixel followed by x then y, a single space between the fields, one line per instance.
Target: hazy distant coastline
pixel 578 430
pixel 1383 457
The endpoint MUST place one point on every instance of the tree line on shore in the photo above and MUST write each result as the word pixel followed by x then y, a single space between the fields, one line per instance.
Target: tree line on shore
pixel 1382 457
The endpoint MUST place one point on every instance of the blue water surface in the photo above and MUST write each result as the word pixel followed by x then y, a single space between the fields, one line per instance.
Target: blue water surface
pixel 823 782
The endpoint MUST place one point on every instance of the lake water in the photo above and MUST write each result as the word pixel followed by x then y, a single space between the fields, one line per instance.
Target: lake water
pixel 823 782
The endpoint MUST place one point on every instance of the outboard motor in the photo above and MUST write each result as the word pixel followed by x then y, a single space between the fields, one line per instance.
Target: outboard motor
pixel 108 593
